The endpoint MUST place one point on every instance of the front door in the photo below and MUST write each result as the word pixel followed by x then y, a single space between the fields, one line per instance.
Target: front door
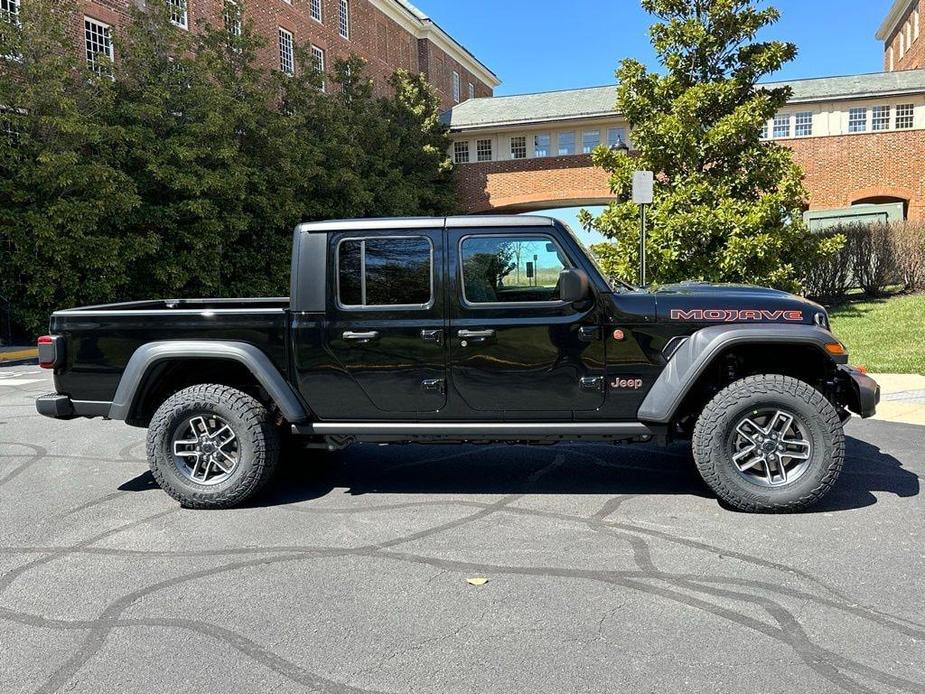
pixel 385 326
pixel 515 347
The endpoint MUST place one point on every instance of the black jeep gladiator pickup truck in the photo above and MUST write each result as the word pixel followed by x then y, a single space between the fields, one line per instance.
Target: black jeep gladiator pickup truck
pixel 462 330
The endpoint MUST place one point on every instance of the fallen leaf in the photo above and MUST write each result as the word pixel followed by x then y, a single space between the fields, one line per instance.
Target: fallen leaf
pixel 477 581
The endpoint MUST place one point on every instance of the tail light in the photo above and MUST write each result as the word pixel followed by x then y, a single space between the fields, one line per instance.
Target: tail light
pixel 50 351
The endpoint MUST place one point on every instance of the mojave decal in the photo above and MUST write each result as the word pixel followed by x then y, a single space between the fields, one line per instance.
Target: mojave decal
pixel 735 315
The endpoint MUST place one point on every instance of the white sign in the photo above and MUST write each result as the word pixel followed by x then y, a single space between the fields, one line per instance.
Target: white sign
pixel 643 184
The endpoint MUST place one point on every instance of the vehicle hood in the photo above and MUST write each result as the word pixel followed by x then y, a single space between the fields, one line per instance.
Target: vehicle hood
pixel 701 302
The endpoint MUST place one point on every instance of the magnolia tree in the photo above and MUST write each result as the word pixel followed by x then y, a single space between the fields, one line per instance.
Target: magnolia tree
pixel 728 206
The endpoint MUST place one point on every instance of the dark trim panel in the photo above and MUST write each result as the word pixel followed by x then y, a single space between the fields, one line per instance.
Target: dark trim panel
pixel 251 357
pixel 694 356
pixel 479 430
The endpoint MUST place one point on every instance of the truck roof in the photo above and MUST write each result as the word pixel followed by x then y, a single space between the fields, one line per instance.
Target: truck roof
pixel 426 223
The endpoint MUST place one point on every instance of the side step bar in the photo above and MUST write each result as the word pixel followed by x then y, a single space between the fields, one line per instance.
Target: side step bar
pixel 480 430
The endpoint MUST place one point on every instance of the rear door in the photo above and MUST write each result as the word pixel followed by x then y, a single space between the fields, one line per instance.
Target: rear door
pixel 385 327
pixel 515 347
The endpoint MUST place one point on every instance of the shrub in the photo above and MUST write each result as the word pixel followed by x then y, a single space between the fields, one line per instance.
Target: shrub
pixel 909 240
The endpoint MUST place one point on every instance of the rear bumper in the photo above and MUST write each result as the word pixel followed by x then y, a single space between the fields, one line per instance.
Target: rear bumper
pixel 62 407
pixel 862 393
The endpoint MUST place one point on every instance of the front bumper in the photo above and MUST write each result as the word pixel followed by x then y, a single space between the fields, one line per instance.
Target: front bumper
pixel 861 392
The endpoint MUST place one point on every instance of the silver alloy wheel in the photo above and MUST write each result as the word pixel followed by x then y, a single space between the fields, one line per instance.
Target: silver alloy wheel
pixel 205 449
pixel 770 447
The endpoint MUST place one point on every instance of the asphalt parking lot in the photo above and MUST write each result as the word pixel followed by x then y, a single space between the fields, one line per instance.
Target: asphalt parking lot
pixel 610 569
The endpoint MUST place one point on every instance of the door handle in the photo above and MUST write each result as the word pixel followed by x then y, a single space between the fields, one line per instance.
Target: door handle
pixel 475 335
pixel 362 338
pixel 433 337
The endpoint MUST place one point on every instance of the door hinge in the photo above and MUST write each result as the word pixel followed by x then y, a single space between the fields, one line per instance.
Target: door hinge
pixel 590 333
pixel 434 385
pixel 594 384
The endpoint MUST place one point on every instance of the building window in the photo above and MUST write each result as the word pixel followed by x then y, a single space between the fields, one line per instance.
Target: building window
pixel 857 120
pixel 393 272
pixel 892 60
pixel 764 131
pixel 461 152
pixel 318 63
pixel 589 140
pixel 483 150
pixel 566 143
pixel 519 147
pixel 178 13
pixel 804 124
pixel 232 17
pixel 916 24
pixel 98 37
pixel 880 117
pixel 286 58
pixel 343 19
pixel 471 90
pixel 314 9
pixel 456 87
pixel 9 11
pixel 782 125
pixel 905 116
pixel 541 145
pixel 616 137
pixel 902 45
pixel 909 34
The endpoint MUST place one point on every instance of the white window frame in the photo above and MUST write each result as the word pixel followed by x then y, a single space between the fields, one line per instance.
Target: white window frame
pixel 286 43
pixel 804 120
pixel 11 12
pixel 594 132
pixel 574 136
pixel 343 19
pixel 781 127
pixel 456 87
pixel 546 149
pixel 877 121
pixel 231 14
pixel 854 122
pixel 471 90
pixel 519 147
pixel 461 152
pixel 179 13
pixel 905 116
pixel 315 11
pixel 484 147
pixel 319 62
pixel 104 30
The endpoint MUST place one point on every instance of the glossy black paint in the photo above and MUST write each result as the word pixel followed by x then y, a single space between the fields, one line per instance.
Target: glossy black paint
pixel 591 360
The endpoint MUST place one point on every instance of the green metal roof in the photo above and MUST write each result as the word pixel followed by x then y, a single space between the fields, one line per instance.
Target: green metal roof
pixel 600 101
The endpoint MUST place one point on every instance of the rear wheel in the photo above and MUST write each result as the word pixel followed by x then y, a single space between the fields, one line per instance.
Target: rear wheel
pixel 769 443
pixel 211 446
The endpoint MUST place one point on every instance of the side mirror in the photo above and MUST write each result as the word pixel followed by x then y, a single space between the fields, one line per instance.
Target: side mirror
pixel 573 285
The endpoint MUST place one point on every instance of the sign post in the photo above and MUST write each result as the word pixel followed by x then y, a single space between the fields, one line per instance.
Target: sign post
pixel 643 194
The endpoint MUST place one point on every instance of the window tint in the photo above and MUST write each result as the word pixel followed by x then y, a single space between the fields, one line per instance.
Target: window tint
pixel 397 272
pixel 511 269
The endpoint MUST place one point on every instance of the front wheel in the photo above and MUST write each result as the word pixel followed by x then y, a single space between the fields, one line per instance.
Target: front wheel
pixel 769 444
pixel 211 446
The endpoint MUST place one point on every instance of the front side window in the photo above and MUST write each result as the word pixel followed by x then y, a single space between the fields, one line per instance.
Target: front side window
pixel 461 152
pixel 386 272
pixel 857 120
pixel 511 270
pixel 782 125
pixel 178 13
pixel 589 140
pixel 286 58
pixel 519 147
pixel 314 8
pixel 905 116
pixel 541 144
pixel 483 150
pixel 880 117
pixel 566 143
pixel 98 41
pixel 343 19
pixel 804 124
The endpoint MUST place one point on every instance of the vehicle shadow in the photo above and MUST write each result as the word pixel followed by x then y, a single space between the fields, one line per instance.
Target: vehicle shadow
pixel 564 469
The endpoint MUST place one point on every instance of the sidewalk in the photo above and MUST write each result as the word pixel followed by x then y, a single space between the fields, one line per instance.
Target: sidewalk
pixel 902 398
pixel 17 355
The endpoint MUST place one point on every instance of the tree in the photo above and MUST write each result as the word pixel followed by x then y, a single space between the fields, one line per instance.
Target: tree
pixel 728 206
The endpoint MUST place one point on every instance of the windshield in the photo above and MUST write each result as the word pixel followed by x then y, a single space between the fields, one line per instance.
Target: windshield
pixel 616 283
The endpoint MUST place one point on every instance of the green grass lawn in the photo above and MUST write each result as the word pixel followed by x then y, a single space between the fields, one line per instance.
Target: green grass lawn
pixel 885 335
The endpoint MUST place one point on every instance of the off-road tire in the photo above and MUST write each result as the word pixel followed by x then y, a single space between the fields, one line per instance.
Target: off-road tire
pixel 256 433
pixel 716 423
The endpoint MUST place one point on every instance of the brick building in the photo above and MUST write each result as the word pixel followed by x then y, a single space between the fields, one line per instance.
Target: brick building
pixel 859 138
pixel 389 34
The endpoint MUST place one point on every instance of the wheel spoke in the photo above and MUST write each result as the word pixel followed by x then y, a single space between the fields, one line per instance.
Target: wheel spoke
pixel 206 469
pixel 177 450
pixel 749 435
pixel 217 436
pixel 796 449
pixel 781 423
pixel 227 465
pixel 747 459
pixel 199 426
pixel 196 463
pixel 205 449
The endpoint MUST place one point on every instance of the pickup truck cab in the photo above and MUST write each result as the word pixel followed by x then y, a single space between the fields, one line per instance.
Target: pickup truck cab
pixel 458 330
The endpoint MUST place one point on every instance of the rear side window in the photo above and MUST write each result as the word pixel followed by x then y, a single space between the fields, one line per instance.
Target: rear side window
pixel 506 270
pixel 388 272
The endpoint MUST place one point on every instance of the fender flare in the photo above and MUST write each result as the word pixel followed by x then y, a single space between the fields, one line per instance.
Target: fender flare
pixel 698 352
pixel 150 354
